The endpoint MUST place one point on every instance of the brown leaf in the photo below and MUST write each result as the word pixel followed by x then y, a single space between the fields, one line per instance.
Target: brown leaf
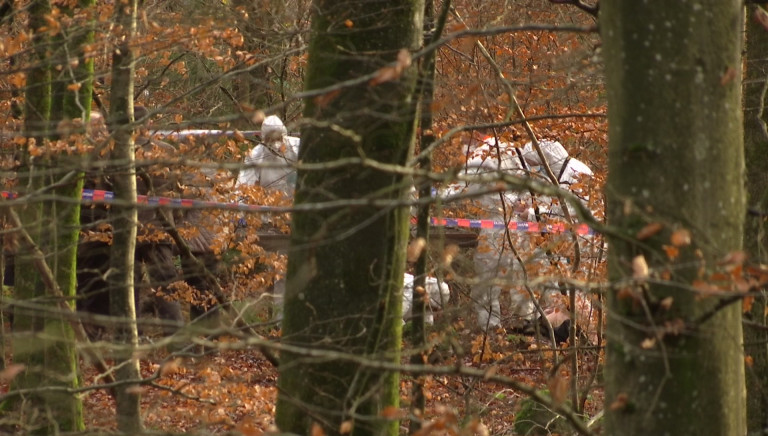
pixel 346 426
pixel 317 430
pixel 449 253
pixel 626 293
pixel 680 237
pixel 704 287
pixel 390 73
pixel 649 230
pixel 475 428
pixel 135 390
pixel 728 76
pixel 391 412
pixel 761 16
pixel 742 285
pixel 746 303
pixel 733 259
pixel 248 427
pixel 558 388
pixel 18 80
pixel 11 371
pixel 672 251
pixel 386 74
pixel 323 100
pixel 620 402
pixel 719 277
pixel 170 367
pixel 759 273
pixel 490 372
pixel 415 248
pixel 627 207
pixel 674 327
pixel 639 267
pixel 648 343
pixel 666 303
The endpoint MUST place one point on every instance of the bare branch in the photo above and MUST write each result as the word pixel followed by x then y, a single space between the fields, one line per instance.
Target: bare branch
pixel 590 9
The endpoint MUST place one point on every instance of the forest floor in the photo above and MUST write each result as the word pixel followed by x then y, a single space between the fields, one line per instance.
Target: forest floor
pixel 236 390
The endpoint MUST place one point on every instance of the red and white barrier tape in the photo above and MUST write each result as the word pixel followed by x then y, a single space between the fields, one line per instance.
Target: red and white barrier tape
pixel 100 196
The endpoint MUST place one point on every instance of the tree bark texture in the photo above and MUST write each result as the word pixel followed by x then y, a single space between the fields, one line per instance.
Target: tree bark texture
pixel 674 357
pixel 755 240
pixel 54 228
pixel 69 102
pixel 345 266
pixel 426 93
pixel 124 221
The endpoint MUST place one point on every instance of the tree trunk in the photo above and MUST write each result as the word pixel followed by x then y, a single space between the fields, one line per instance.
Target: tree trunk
pixel 52 360
pixel 69 103
pixel 755 241
pixel 124 221
pixel 426 93
pixel 674 358
pixel 345 267
pixel 27 287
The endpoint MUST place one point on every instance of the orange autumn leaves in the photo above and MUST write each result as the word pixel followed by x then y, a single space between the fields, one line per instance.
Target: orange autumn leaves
pixel 730 274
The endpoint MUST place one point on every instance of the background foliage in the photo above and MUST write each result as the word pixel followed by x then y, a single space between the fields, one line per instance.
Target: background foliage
pixel 223 65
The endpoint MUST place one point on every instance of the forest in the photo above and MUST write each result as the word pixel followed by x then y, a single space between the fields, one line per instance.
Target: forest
pixel 368 217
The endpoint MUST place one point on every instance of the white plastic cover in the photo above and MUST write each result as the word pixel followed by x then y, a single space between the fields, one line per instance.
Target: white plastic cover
pixel 573 171
pixel 553 151
pixel 438 292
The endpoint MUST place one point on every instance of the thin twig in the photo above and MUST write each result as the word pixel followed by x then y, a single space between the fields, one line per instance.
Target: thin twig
pixel 591 10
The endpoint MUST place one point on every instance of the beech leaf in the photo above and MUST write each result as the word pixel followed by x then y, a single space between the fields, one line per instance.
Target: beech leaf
pixel 639 267
pixel 761 16
pixel 680 238
pixel 649 230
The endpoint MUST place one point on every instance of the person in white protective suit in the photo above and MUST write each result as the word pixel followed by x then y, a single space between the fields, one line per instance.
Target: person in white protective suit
pixel 273 160
pixel 496 263
pixel 568 171
pixel 271 164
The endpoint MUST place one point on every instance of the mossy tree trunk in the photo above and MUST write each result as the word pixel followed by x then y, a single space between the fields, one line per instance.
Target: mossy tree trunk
pixel 124 218
pixel 345 267
pixel 674 358
pixel 72 94
pixel 52 224
pixel 27 286
pixel 755 239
